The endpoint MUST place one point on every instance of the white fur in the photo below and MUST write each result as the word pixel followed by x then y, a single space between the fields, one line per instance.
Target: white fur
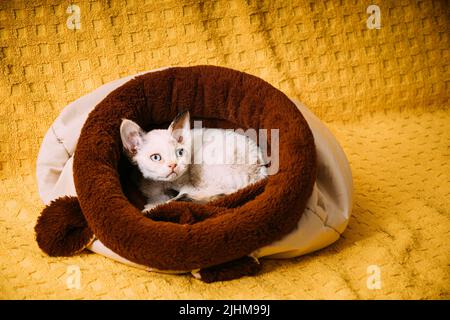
pixel 215 162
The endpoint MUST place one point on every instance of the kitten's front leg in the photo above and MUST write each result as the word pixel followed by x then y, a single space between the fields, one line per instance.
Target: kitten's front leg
pixel 149 207
pixel 161 199
pixel 199 195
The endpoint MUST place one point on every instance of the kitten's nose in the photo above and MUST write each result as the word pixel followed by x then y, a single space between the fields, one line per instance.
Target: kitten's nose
pixel 172 166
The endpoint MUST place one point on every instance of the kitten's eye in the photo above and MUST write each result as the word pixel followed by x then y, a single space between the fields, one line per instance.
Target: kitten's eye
pixel 155 157
pixel 179 152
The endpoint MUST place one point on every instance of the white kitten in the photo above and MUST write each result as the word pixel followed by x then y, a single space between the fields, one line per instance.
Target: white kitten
pixel 199 164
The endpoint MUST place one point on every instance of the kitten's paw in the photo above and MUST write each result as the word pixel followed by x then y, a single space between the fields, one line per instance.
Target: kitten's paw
pixel 205 198
pixel 182 197
pixel 148 208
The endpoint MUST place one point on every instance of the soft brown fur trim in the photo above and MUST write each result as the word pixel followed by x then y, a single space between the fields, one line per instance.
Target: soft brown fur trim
pixel 245 266
pixel 61 229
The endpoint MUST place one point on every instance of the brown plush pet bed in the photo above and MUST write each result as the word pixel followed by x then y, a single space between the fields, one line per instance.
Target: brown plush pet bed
pixel 182 235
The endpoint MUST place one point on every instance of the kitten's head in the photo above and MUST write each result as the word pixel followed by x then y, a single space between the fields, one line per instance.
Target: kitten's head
pixel 161 155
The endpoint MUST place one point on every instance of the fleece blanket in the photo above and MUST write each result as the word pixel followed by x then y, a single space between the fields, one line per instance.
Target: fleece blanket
pixel 384 94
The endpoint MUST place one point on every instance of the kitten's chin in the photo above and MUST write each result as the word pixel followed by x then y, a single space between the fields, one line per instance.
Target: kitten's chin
pixel 168 178
pixel 171 177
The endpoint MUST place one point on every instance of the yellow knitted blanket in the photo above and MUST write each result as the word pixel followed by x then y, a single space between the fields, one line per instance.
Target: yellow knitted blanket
pixel 384 92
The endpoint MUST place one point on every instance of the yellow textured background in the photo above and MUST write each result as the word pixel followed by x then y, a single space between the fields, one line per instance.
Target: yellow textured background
pixel 384 94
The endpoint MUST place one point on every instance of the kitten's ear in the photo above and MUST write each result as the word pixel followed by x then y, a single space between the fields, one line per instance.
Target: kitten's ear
pixel 180 128
pixel 131 135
